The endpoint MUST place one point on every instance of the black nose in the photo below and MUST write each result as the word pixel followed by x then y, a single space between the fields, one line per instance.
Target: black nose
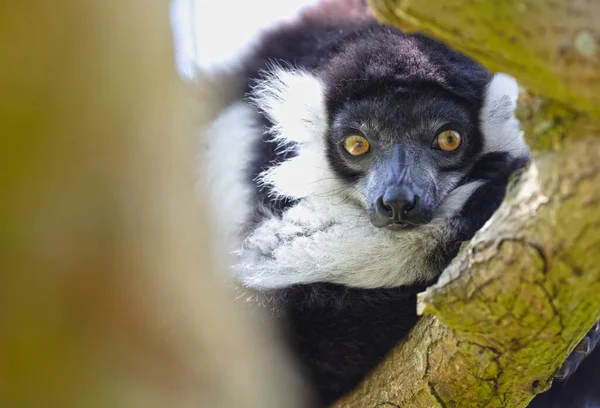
pixel 395 209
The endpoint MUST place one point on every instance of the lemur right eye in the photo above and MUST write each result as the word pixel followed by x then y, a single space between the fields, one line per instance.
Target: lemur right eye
pixel 356 145
pixel 448 140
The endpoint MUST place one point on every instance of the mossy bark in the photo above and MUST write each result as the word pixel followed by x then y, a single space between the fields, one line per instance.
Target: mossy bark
pixel 552 46
pixel 520 296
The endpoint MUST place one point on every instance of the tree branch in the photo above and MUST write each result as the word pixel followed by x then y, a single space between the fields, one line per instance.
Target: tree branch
pixel 550 46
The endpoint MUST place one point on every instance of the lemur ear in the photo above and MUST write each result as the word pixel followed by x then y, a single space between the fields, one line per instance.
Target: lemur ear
pixel 503 86
pixel 500 127
pixel 294 102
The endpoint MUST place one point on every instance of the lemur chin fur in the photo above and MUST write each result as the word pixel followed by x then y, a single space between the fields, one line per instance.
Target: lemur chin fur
pixel 302 218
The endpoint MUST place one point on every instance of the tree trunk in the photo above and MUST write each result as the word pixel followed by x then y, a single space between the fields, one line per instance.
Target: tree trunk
pixel 107 288
pixel 519 297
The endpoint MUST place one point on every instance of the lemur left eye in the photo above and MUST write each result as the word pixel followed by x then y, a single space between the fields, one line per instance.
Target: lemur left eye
pixel 448 140
pixel 356 145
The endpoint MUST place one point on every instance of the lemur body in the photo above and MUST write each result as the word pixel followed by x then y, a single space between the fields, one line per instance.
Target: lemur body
pixel 340 243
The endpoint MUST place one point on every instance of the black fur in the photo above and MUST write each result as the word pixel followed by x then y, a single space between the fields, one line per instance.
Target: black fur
pixel 495 169
pixel 341 333
pixel 268 154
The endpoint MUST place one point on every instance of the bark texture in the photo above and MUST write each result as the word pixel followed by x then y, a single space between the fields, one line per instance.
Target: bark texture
pixel 552 46
pixel 520 296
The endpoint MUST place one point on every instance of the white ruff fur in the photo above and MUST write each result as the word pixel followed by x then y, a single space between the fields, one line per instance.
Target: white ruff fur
pixel 294 102
pixel 316 241
pixel 226 146
pixel 328 237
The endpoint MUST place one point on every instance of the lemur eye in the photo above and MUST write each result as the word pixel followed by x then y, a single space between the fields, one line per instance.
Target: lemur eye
pixel 356 145
pixel 448 140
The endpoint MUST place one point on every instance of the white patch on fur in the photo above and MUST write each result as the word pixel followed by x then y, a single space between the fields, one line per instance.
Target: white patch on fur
pixel 317 241
pixel 456 200
pixel 321 241
pixel 500 127
pixel 294 101
pixel 226 152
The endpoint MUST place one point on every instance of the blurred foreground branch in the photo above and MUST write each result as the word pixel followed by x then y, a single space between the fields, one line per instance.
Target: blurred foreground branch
pixel 107 286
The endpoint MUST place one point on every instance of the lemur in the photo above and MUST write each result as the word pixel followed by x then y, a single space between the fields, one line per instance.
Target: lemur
pixel 355 162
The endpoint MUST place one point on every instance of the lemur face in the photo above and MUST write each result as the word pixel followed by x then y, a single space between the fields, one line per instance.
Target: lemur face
pixel 404 150
pixel 391 125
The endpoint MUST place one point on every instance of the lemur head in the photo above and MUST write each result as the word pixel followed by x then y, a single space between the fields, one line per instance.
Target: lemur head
pixel 399 123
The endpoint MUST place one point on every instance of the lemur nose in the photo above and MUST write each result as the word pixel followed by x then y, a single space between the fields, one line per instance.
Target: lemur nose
pixel 395 208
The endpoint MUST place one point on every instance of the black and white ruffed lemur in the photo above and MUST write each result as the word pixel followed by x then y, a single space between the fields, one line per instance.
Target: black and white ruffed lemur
pixel 355 162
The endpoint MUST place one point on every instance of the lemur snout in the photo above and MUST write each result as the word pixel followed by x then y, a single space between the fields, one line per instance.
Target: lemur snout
pixel 396 208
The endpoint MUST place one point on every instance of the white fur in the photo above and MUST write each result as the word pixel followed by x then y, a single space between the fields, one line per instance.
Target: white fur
pixel 317 241
pixel 456 199
pixel 500 127
pixel 226 152
pixel 294 101
pixel 322 241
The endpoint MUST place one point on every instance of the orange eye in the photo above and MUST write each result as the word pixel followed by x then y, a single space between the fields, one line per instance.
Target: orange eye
pixel 356 145
pixel 449 140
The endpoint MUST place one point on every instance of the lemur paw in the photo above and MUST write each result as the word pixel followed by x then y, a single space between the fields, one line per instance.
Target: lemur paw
pixel 583 349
